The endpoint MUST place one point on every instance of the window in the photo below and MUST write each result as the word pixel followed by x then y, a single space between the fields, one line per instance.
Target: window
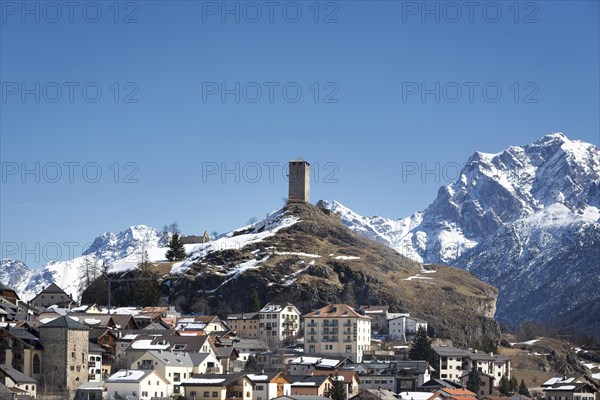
pixel 348 348
pixel 144 394
pixel 179 347
pixel 176 377
pixel 36 364
pixel 205 395
pixel 215 394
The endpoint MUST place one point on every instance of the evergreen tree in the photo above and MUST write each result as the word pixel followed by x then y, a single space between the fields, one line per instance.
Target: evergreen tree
pixel 523 389
pixel 513 384
pixel 474 381
pixel 421 348
pixel 255 301
pixel 504 387
pixel 338 389
pixel 251 364
pixel 176 250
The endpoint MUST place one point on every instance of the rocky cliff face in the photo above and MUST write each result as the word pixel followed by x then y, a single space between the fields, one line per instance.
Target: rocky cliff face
pixel 303 255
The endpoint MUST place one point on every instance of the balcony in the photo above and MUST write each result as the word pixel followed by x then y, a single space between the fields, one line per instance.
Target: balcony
pixel 311 324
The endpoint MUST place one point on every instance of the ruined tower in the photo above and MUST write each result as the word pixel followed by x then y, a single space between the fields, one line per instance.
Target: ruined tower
pixel 299 180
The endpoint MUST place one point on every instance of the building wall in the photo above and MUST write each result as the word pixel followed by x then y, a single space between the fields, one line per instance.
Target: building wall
pixel 342 336
pixel 197 392
pixel 65 360
pixel 245 328
pixel 299 181
pixel 276 326
pixel 49 299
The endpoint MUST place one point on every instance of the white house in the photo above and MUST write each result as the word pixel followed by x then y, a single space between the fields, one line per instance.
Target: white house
pixel 278 322
pixel 270 385
pixel 404 325
pixel 174 366
pixel 143 384
pixel 12 378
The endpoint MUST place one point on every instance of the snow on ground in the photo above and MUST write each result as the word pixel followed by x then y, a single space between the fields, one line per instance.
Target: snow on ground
pixel 292 277
pixel 237 240
pixel 418 276
pixel 347 258
pixel 291 253
pixel 238 270
pixel 527 343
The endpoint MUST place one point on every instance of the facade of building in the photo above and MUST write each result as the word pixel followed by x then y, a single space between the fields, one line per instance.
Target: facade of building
pixel 337 329
pixel 403 327
pixel 299 181
pixel 455 363
pixel 268 386
pixel 278 322
pixel 245 325
pixel 52 295
pixel 65 357
pixel 12 378
pixel 218 387
pixel 141 384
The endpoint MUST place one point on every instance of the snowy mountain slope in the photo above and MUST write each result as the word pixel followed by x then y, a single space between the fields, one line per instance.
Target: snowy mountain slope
pixel 525 220
pixel 491 191
pixel 545 264
pixel 119 251
pixel 122 251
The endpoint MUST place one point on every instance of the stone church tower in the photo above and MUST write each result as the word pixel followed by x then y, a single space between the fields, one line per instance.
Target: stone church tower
pixel 299 180
pixel 65 359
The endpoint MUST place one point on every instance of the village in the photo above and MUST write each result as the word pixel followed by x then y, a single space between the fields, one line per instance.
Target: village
pixel 52 347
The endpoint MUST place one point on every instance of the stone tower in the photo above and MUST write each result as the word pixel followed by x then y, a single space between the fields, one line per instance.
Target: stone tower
pixel 65 360
pixel 299 181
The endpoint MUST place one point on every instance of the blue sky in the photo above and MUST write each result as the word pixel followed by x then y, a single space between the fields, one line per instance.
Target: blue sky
pixel 163 129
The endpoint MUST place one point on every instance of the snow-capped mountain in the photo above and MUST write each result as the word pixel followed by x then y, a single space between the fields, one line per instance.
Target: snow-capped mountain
pixel 118 251
pixel 518 214
pixel 492 190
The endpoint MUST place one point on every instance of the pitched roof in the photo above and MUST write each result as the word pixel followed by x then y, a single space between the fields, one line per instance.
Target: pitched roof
pixel 212 379
pixel 53 288
pixel 176 358
pixel 335 310
pixel 267 377
pixel 299 159
pixel 65 322
pixel 16 376
pixel 308 380
pixel 347 376
pixel 375 309
pixel 132 375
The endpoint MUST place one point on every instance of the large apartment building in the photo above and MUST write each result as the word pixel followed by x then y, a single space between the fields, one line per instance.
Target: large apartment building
pixel 278 322
pixel 337 329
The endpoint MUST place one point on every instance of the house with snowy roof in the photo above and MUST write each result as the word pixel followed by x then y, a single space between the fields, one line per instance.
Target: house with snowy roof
pixel 310 385
pixel 270 385
pixel 454 363
pixel 205 323
pixel 304 365
pixel 194 344
pixel 141 384
pixel 570 387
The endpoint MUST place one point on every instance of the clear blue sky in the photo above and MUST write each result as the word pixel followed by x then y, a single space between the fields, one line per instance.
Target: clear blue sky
pixel 370 56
